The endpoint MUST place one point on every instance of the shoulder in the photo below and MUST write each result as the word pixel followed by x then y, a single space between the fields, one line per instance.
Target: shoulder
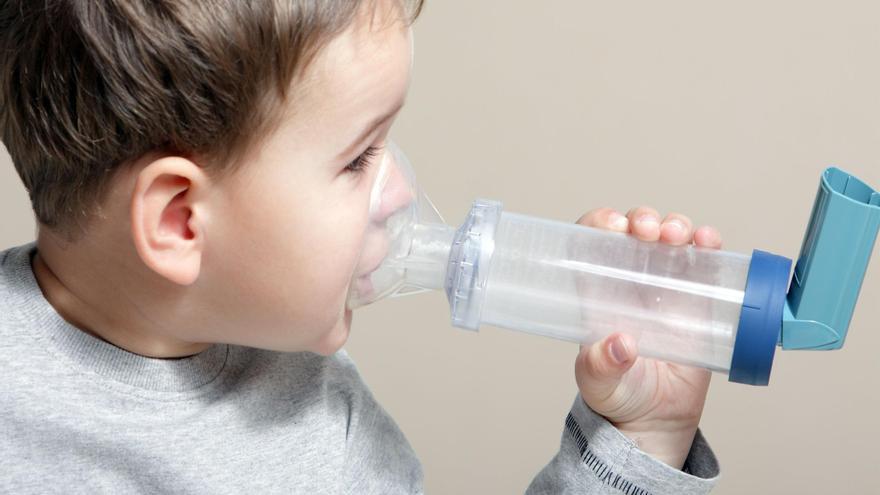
pixel 379 458
pixel 14 265
pixel 9 261
pixel 16 282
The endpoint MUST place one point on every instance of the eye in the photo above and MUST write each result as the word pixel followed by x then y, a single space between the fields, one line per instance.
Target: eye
pixel 360 164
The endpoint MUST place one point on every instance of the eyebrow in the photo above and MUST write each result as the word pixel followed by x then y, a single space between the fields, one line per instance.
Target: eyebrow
pixel 375 124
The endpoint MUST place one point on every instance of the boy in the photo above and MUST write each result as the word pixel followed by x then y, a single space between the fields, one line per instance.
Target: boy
pixel 200 171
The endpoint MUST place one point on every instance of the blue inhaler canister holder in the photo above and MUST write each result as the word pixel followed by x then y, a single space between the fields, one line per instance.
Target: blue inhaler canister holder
pixel 817 309
pixel 760 319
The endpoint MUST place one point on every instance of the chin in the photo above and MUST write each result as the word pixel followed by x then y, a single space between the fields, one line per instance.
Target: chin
pixel 331 342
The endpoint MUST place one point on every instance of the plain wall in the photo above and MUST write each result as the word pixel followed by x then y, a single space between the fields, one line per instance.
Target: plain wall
pixel 725 111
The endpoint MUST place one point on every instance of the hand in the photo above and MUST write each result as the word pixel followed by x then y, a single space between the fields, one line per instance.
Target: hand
pixel 655 403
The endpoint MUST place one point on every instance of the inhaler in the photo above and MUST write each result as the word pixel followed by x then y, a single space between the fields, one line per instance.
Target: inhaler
pixel 723 311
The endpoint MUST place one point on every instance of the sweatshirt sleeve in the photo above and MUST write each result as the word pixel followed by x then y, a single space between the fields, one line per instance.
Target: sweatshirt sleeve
pixel 594 457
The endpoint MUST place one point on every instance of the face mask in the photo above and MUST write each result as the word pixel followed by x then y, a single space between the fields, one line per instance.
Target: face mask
pixel 414 238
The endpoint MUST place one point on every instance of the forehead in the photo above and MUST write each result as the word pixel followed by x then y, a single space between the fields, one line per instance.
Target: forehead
pixel 359 74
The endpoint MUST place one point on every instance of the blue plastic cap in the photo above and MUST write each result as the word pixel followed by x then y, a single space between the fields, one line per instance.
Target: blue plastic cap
pixel 760 319
pixel 831 267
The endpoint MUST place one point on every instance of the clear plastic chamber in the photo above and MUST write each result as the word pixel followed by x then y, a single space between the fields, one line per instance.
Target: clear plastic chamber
pixel 580 284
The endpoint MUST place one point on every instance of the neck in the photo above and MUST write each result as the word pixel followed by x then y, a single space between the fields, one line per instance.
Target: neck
pixel 82 289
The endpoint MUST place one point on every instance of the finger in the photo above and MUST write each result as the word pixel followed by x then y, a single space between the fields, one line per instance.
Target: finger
pixel 600 367
pixel 644 223
pixel 676 229
pixel 707 236
pixel 605 218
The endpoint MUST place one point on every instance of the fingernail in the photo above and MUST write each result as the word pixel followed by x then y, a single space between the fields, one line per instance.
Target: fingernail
pixel 618 351
pixel 647 221
pixel 618 222
pixel 677 224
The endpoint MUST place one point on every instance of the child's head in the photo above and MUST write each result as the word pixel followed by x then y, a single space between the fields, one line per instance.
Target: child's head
pixel 193 164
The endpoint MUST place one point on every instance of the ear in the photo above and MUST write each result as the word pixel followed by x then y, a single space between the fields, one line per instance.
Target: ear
pixel 168 217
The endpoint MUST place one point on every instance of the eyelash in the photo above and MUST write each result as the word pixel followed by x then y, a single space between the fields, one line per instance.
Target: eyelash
pixel 360 164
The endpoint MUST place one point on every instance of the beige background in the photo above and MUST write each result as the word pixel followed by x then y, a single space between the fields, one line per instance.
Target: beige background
pixel 726 111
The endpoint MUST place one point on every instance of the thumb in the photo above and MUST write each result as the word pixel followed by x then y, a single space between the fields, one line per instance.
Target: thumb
pixel 600 367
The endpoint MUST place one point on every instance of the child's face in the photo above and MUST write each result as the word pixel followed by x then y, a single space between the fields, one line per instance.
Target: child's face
pixel 288 232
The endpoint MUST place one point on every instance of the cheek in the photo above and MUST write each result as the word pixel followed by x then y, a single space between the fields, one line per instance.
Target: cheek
pixel 314 264
pixel 286 257
pixel 308 254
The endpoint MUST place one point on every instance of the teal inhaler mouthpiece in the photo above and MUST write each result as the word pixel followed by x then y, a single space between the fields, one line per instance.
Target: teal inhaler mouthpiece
pixel 832 264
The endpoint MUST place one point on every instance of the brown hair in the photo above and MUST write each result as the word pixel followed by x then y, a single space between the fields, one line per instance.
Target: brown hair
pixel 88 85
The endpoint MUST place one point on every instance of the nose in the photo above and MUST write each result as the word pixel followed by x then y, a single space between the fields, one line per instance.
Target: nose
pixel 398 192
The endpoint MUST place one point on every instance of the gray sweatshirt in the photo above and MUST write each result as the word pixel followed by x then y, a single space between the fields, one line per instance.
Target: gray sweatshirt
pixel 79 415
